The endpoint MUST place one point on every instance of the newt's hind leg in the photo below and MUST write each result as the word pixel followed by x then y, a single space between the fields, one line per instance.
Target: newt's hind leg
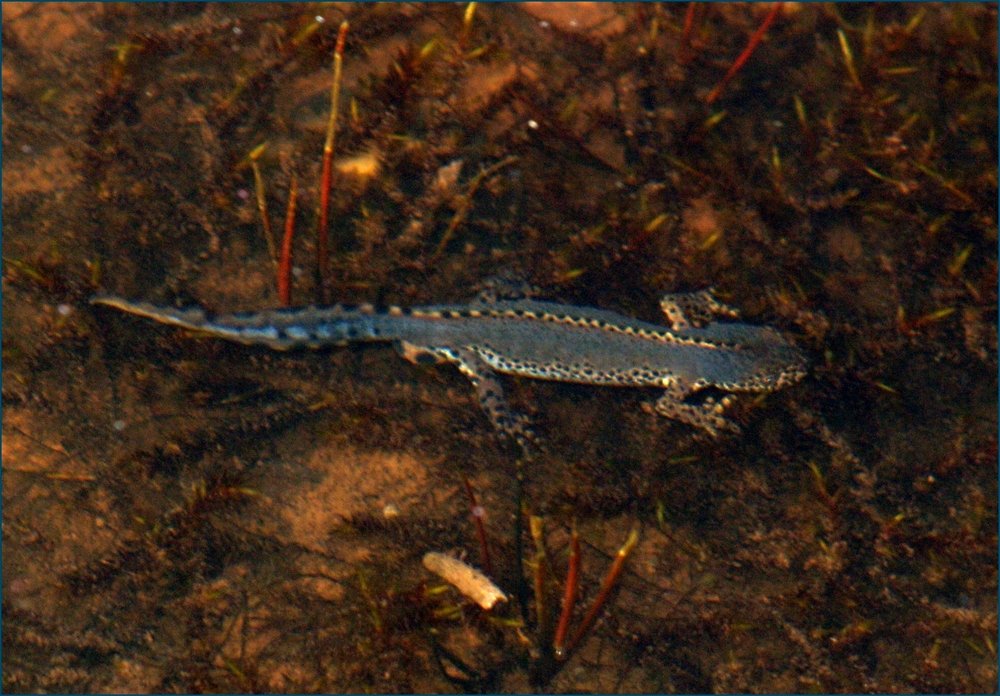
pixel 484 381
pixel 707 415
pixel 687 309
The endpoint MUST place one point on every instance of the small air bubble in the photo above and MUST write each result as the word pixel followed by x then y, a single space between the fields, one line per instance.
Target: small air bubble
pixel 532 124
pixel 64 310
pixel 118 425
pixel 320 19
pixel 237 31
pixel 243 194
pixel 479 512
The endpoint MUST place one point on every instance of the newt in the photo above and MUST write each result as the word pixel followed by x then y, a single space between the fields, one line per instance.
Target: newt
pixel 537 339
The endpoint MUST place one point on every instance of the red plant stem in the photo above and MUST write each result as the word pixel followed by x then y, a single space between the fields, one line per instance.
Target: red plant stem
pixel 755 39
pixel 684 54
pixel 326 180
pixel 477 517
pixel 569 598
pixel 285 261
pixel 610 580
pixel 322 244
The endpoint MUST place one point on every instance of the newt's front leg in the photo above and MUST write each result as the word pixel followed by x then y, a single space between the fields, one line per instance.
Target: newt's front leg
pixel 687 309
pixel 707 415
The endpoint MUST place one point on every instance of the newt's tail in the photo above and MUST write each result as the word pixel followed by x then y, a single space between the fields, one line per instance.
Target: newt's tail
pixel 311 327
